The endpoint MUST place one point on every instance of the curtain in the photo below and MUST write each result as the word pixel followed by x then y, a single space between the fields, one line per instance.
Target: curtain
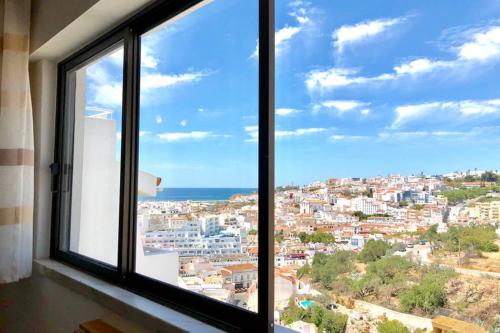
pixel 16 143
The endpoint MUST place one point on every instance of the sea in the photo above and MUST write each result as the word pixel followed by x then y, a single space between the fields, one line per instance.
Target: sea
pixel 197 194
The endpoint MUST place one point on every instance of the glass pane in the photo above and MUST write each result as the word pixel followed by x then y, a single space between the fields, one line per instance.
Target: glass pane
pixel 387 159
pixel 198 157
pixel 95 105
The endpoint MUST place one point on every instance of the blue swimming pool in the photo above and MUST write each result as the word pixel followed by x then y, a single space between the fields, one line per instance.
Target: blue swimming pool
pixel 305 304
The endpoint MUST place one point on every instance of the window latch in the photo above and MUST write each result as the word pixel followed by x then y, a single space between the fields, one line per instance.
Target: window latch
pixel 54 172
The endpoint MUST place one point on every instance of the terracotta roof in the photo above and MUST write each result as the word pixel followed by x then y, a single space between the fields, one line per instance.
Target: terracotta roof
pixel 240 268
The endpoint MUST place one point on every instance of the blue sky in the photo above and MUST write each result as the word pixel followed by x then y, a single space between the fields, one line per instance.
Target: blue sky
pixel 363 88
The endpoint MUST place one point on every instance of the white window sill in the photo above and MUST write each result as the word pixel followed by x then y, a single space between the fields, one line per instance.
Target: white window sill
pixel 148 314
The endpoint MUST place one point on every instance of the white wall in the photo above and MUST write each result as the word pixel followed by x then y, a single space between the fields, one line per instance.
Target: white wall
pixel 40 305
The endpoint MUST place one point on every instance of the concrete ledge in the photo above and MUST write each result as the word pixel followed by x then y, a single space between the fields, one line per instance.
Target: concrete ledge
pixel 148 314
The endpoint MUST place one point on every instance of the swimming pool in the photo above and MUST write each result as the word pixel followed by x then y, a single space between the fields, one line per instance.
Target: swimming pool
pixel 305 304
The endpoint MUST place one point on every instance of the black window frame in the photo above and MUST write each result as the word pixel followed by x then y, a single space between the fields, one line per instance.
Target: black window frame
pixel 219 314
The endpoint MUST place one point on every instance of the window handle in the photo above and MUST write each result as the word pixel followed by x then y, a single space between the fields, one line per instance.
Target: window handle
pixel 54 172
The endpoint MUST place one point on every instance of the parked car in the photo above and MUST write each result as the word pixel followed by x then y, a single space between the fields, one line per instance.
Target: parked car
pixel 332 306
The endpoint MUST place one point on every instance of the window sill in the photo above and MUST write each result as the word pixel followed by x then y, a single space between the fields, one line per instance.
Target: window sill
pixel 148 314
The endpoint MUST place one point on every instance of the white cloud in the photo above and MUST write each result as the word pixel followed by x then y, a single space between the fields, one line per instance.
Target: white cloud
pixel 286 111
pixel 406 113
pixel 337 137
pixel 117 56
pixel 253 132
pixel 485 44
pixel 157 80
pixel 339 77
pixel 383 136
pixel 108 94
pixel 299 132
pixel 158 119
pixel 470 107
pixel 397 135
pixel 143 133
pixel 467 108
pixel 302 14
pixel 350 34
pixel 178 136
pixel 183 123
pixel 281 39
pixel 299 3
pixel 341 107
pixel 344 105
pixel 148 59
pixel 478 46
pixel 421 65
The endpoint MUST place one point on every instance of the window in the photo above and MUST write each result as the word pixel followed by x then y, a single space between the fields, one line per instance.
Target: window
pixel 138 110
pixel 93 133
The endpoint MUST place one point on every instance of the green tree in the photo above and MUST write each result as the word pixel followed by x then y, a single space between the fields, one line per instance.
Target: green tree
pixel 390 269
pixel 391 326
pixel 316 237
pixel 373 250
pixel 367 285
pixel 292 312
pixel 304 270
pixel 333 322
pixel 419 207
pixel 428 296
pixel 360 215
pixel 326 268
pixel 252 232
pixel 489 176
pixel 403 203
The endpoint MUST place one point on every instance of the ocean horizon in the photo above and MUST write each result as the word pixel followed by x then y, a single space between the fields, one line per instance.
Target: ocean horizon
pixel 197 194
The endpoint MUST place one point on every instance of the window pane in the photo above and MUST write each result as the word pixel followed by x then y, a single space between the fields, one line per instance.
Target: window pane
pixel 94 104
pixel 387 159
pixel 197 206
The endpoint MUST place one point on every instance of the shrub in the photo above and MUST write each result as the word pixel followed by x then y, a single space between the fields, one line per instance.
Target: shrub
pixel 391 326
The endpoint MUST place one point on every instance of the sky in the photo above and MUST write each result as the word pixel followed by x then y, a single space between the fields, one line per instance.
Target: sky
pixel 363 88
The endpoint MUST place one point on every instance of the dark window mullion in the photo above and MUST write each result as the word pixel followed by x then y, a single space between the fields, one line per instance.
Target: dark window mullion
pixel 128 167
pixel 266 165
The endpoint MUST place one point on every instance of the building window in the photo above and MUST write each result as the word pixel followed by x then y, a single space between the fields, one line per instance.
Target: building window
pixel 148 110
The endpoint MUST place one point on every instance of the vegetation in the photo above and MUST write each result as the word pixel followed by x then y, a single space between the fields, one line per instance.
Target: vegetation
pixel 391 326
pixel 303 271
pixel 326 268
pixel 363 216
pixel 489 176
pixel 390 269
pixel 462 194
pixel 278 237
pixel 419 207
pixel 373 250
pixel 479 238
pixel 427 296
pixel 377 276
pixel 327 321
pixel 403 203
pixel 252 232
pixel 316 237
pixel 488 199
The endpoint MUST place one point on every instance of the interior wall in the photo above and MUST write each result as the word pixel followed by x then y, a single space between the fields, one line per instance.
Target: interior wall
pixel 40 305
pixel 49 17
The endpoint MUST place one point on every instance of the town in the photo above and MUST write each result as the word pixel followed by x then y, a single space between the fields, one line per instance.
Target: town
pixel 385 254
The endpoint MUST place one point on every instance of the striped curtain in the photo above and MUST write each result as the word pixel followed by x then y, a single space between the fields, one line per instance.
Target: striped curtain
pixel 16 143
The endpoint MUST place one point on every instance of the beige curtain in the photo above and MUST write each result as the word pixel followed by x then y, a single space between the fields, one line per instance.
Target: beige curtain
pixel 16 143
